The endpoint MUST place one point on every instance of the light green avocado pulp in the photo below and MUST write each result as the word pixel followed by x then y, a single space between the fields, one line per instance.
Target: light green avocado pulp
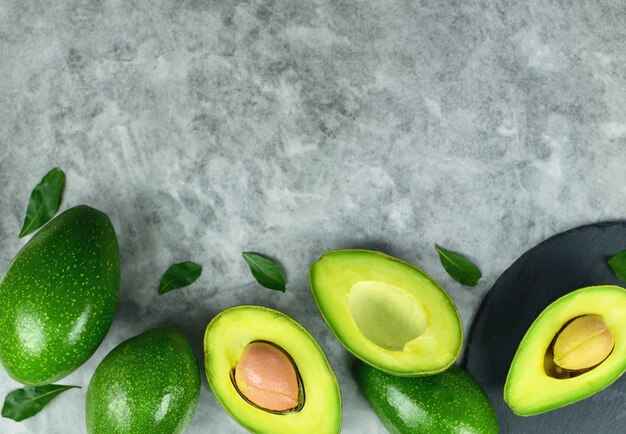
pixel 388 313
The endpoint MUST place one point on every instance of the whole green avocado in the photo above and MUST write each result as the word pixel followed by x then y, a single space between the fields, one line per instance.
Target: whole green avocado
pixel 451 402
pixel 59 296
pixel 147 384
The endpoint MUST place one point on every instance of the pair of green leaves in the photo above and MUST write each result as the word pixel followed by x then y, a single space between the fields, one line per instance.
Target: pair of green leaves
pixel 267 273
pixel 466 273
pixel 264 270
pixel 26 402
pixel 44 202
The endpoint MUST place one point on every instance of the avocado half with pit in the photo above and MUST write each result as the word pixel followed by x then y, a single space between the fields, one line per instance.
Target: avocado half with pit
pixel 270 374
pixel 575 348
pixel 388 313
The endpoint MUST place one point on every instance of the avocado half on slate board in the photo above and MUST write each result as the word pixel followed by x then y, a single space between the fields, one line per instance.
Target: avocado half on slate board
pixel 556 267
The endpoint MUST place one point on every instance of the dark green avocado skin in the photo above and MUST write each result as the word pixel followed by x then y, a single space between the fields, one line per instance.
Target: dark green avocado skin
pixel 147 384
pixel 59 296
pixel 447 403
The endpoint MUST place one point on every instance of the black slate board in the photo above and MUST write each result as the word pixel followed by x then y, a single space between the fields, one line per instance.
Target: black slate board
pixel 565 262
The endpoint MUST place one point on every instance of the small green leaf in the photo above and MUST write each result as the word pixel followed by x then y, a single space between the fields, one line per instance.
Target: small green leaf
pixel 618 265
pixel 265 271
pixel 23 403
pixel 459 267
pixel 179 275
pixel 44 201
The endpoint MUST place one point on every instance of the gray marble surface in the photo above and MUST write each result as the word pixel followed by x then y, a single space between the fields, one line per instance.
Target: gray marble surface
pixel 205 128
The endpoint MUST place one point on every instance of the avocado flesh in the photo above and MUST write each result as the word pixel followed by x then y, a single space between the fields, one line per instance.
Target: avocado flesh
pixel 225 339
pixel 147 384
pixel 58 297
pixel 386 312
pixel 531 388
pixel 450 402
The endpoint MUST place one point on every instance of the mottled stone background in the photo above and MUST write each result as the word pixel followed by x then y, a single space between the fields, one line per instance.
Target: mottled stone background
pixel 288 127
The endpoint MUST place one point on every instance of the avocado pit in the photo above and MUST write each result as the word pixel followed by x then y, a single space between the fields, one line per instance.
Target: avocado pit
pixel 581 345
pixel 267 377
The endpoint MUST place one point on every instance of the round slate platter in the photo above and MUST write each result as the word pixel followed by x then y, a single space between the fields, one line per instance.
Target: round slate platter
pixel 565 262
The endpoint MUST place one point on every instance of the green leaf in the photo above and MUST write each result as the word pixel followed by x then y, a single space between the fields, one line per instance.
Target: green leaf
pixel 618 264
pixel 23 403
pixel 459 267
pixel 265 271
pixel 179 275
pixel 44 201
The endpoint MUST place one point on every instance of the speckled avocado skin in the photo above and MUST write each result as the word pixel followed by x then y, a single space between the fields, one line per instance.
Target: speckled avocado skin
pixel 447 403
pixel 147 384
pixel 59 296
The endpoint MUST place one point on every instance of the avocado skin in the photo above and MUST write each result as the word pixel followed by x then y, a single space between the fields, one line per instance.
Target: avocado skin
pixel 59 296
pixel 147 384
pixel 449 402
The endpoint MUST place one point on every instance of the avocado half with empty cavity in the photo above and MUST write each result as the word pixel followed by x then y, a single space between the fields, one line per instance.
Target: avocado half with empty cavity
pixel 575 348
pixel 270 374
pixel 388 313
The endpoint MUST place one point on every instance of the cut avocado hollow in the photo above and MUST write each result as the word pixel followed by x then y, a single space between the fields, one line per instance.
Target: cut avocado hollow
pixel 535 384
pixel 232 333
pixel 388 313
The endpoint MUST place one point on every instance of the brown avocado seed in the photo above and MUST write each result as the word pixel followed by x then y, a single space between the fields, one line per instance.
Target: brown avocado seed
pixel 266 376
pixel 583 343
